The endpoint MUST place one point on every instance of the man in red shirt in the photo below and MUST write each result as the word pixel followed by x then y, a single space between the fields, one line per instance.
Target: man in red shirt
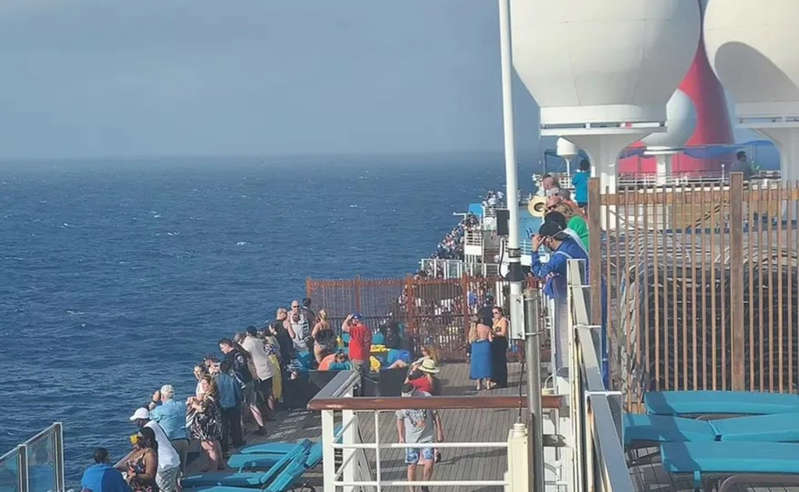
pixel 360 341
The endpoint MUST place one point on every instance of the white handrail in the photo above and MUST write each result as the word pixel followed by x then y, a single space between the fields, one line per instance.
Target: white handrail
pixel 598 439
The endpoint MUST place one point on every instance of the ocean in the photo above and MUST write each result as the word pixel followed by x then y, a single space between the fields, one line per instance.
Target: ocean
pixel 117 276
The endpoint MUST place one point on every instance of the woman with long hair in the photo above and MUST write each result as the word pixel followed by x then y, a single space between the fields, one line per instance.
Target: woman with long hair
pixel 143 462
pixel 206 422
pixel 480 360
pixel 499 348
pixel 323 335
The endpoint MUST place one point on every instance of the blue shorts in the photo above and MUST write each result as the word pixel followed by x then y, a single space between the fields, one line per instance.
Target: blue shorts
pixel 412 455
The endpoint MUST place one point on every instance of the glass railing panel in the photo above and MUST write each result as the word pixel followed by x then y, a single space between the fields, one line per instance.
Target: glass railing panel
pixel 9 472
pixel 42 467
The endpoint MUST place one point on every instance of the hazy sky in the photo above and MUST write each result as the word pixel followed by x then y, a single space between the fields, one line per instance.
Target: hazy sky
pixel 252 77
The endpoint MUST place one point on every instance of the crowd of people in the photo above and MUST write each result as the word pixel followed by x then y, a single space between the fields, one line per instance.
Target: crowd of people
pixel 243 384
pixel 493 199
pixel 451 247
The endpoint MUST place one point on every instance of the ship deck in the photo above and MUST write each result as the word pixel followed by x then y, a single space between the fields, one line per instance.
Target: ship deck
pixel 459 425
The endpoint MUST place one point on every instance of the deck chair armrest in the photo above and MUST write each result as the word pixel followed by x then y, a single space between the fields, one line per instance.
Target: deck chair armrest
pixel 732 482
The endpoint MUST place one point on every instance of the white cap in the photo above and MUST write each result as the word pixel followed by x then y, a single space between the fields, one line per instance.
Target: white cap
pixel 140 413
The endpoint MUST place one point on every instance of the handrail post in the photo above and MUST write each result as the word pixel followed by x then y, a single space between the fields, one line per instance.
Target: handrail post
pixel 535 441
pixel 328 452
pixel 737 281
pixel 58 451
pixel 357 285
pixel 22 467
pixel 595 249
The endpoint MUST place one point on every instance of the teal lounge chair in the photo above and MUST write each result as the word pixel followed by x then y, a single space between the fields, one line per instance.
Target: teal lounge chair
pixel 711 461
pixel 249 479
pixel 719 402
pixel 642 430
pixel 268 448
pixel 250 461
pixel 282 482
pixel 279 448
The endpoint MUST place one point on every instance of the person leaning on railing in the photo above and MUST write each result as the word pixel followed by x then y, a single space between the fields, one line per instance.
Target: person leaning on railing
pixel 171 416
pixel 563 247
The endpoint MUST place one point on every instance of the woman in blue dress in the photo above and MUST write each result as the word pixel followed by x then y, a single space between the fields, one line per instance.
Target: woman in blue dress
pixel 480 362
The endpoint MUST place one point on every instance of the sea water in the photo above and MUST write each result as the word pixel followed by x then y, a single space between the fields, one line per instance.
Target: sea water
pixel 117 276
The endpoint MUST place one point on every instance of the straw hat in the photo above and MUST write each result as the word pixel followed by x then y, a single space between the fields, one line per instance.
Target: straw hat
pixel 537 206
pixel 429 366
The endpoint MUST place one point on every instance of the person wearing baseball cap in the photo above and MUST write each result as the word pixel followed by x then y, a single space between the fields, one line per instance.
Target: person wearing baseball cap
pixel 563 248
pixel 168 459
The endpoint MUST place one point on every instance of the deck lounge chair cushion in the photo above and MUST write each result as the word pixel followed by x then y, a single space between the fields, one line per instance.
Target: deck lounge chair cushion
pixel 253 460
pixel 269 447
pixel 730 457
pixel 247 479
pixel 663 428
pixel 287 477
pixel 710 402
pixel 266 460
pixel 779 427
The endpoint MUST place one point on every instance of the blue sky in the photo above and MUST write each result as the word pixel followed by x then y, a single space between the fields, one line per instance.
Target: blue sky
pixel 93 78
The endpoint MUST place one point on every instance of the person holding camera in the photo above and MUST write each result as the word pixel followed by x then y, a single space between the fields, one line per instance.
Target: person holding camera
pixel 360 341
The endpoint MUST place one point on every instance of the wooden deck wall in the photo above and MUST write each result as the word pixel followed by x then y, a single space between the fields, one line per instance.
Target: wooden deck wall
pixel 701 285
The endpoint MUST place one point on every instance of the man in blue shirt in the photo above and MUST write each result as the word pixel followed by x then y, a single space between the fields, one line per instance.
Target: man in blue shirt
pixel 102 477
pixel 230 397
pixel 171 416
pixel 563 248
pixel 580 182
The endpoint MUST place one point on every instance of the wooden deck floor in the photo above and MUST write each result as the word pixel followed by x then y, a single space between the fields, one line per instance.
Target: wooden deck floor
pixel 459 425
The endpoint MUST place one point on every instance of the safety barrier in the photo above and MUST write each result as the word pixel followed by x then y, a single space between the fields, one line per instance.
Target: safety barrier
pixel 36 465
pixel 600 462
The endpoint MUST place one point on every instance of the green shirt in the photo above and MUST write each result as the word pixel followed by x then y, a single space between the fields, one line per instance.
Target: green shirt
pixel 578 225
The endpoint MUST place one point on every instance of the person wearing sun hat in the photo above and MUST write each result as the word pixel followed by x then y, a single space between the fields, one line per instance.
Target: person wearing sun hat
pixel 563 248
pixel 425 380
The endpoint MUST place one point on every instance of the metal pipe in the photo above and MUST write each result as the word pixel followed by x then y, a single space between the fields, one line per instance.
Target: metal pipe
pixel 535 430
pixel 507 125
pixel 515 275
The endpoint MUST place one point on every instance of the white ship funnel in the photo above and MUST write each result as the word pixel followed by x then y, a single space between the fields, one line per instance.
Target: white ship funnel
pixel 751 46
pixel 602 71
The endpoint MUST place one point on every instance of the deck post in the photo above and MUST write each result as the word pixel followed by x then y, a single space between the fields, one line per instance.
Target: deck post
pixel 737 281
pixel 535 432
pixel 58 451
pixel 357 285
pixel 22 468
pixel 595 249
pixel 328 452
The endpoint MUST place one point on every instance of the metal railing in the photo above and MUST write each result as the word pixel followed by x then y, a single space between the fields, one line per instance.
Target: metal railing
pixel 341 418
pixel 473 237
pixel 457 268
pixel 36 465
pixel 600 462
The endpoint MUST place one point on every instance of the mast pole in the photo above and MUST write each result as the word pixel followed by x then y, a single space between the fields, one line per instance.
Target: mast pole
pixel 515 276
